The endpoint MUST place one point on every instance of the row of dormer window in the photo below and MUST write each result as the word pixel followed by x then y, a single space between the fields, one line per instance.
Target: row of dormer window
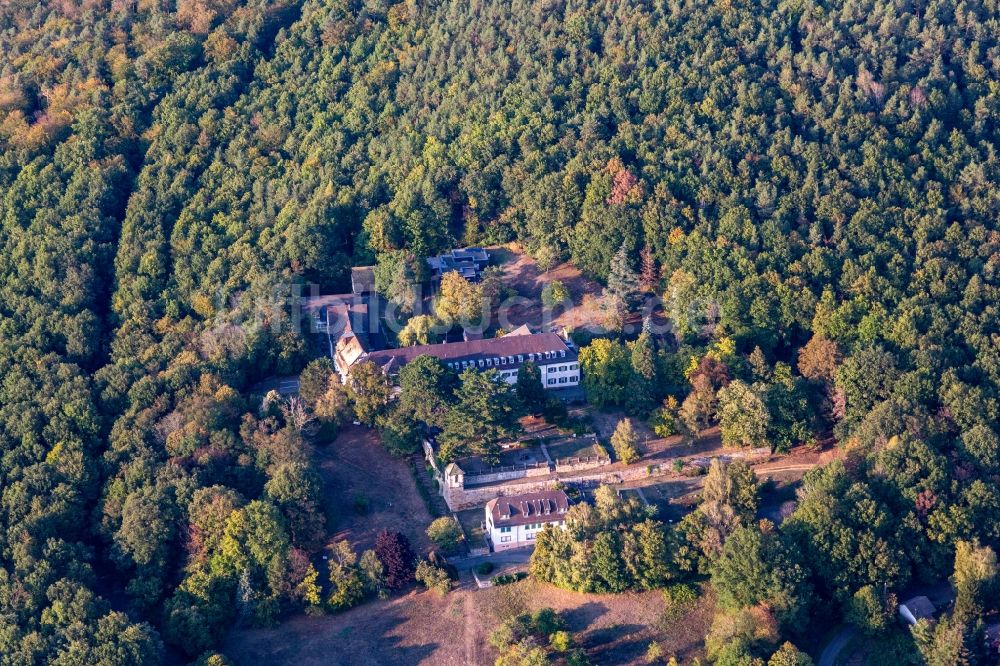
pixel 499 361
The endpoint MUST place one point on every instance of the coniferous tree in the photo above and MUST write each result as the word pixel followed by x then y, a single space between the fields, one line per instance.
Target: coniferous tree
pixel 641 390
pixel 484 414
pixel 649 275
pixel 623 282
pixel 529 388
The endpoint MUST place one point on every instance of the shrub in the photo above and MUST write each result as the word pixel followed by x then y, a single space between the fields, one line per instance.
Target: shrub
pixel 561 641
pixel 507 579
pixel 664 419
pixel 554 293
pixel 446 533
pixel 484 568
pixel 434 578
pixel 546 622
pixel 679 597
pixel 680 594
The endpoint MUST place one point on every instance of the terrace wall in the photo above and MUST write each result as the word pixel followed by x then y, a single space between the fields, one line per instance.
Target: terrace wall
pixel 507 474
pixel 459 499
pixel 467 496
pixel 566 465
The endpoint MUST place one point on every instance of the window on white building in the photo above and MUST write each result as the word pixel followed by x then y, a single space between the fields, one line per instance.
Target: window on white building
pixel 552 381
pixel 504 539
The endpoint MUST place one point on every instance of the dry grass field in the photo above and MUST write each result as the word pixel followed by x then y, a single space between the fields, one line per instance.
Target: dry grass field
pixel 367 490
pixel 423 628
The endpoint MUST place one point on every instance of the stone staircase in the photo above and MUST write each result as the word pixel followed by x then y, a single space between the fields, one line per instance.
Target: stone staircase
pixel 428 487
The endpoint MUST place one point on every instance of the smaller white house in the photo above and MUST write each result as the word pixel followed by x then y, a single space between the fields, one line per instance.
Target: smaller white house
pixel 919 608
pixel 513 522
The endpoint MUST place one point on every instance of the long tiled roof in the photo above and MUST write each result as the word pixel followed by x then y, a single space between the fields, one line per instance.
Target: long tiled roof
pixel 542 507
pixel 542 348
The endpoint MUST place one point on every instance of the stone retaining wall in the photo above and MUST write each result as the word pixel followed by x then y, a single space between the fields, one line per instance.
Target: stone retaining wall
pixel 578 464
pixel 462 496
pixel 459 499
pixel 508 475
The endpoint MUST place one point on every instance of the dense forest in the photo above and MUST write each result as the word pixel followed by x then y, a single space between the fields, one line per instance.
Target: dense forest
pixel 817 182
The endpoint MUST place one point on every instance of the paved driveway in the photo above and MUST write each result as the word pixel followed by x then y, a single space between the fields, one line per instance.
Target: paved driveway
pixel 839 641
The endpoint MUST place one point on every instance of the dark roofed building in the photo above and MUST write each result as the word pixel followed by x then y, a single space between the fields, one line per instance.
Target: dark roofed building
pixel 916 609
pixel 468 262
pixel 363 279
pixel 513 522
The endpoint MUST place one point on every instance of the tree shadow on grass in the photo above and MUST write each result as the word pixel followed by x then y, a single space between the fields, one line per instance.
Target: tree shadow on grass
pixel 582 616
pixel 317 641
pixel 625 652
pixel 609 635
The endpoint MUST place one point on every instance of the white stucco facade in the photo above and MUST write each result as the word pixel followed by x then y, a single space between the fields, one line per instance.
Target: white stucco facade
pixel 514 522
pixel 516 536
pixel 553 376
pixel 561 375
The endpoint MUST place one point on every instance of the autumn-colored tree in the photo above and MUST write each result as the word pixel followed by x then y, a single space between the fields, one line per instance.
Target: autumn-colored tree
pixel 606 368
pixel 419 330
pixel 699 407
pixel 625 442
pixel 975 579
pixel 459 301
pixel 555 293
pixel 818 359
pixel 369 390
pixel 333 407
pixel 649 274
pixel 394 552
pixel 315 380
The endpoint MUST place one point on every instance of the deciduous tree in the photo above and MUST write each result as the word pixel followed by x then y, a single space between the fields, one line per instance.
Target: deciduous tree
pixel 393 551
